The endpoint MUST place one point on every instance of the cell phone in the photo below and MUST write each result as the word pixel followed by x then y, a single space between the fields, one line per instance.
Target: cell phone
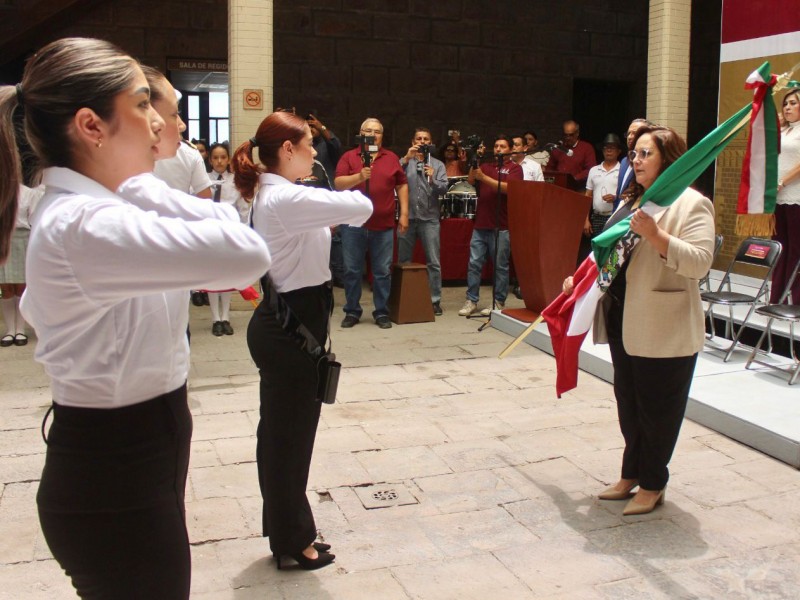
pixel 311 113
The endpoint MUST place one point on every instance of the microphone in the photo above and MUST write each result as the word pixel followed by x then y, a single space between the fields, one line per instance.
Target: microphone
pixel 560 147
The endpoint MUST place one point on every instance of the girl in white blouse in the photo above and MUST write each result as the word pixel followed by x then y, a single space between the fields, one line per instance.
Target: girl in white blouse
pixel 295 222
pixel 111 256
pixel 223 191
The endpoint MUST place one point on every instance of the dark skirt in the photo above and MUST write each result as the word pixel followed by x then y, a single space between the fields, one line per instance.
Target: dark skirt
pixel 289 416
pixel 111 498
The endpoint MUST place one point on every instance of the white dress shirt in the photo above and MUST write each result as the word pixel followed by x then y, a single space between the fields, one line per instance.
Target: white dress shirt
pixel 602 182
pixel 27 199
pixel 229 194
pixel 107 282
pixel 295 222
pixel 186 171
pixel 531 169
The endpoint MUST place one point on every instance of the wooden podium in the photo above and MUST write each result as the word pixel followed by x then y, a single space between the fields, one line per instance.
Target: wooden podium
pixel 545 224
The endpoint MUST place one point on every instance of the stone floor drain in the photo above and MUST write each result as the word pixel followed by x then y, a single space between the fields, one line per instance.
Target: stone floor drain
pixel 383 496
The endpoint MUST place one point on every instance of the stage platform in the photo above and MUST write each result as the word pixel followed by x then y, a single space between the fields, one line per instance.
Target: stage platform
pixel 756 407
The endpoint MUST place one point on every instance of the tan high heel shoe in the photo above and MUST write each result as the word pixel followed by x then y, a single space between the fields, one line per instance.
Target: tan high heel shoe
pixel 637 508
pixel 613 493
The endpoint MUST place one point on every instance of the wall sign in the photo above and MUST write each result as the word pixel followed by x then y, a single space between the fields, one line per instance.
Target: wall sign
pixel 253 99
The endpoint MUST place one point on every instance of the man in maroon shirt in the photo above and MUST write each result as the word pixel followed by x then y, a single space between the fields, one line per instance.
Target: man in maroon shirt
pixel 385 177
pixel 488 213
pixel 573 155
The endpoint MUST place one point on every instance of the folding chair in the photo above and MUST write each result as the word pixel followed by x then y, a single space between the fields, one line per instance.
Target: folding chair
pixel 752 251
pixel 784 310
pixel 705 284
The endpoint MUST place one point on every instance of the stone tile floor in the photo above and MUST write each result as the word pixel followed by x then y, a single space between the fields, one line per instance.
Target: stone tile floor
pixel 502 474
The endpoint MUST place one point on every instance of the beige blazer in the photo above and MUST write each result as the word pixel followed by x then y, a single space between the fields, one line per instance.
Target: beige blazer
pixel 663 315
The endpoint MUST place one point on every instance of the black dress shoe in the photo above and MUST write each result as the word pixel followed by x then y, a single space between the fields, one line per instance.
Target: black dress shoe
pixel 197 298
pixel 217 329
pixel 383 322
pixel 7 340
pixel 226 328
pixel 20 339
pixel 349 321
pixel 437 309
pixel 205 298
pixel 309 564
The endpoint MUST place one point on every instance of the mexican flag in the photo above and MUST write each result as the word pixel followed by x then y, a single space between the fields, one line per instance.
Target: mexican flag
pixel 759 183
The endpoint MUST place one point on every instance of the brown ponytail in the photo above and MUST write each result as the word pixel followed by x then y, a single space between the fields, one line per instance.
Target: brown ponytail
pixel 276 129
pixel 245 171
pixel 10 168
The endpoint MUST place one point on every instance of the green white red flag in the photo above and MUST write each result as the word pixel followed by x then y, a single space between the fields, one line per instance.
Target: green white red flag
pixel 759 181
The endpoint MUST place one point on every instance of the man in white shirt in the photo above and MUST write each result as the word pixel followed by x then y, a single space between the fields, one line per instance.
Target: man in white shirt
pixel 601 186
pixel 531 170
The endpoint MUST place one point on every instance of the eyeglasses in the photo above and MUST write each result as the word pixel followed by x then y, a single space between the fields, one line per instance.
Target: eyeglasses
pixel 371 131
pixel 573 134
pixel 642 154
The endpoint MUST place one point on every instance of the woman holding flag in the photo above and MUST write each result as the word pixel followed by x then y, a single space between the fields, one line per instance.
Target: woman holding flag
pixel 652 317
pixel 787 208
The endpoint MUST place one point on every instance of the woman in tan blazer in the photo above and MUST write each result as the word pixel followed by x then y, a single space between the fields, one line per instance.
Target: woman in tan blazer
pixel 652 319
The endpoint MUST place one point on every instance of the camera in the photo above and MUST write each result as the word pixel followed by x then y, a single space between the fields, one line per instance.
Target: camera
pixel 470 146
pixel 366 143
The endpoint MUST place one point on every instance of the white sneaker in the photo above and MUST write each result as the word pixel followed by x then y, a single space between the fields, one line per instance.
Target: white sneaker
pixel 468 308
pixel 488 310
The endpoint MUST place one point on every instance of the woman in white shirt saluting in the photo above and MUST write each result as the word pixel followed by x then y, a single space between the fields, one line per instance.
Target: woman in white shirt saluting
pixel 295 222
pixel 119 251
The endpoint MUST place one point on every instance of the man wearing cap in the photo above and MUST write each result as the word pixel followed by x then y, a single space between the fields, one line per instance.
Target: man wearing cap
pixel 601 186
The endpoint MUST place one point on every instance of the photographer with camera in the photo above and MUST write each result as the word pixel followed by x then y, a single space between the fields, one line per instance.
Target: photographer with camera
pixel 375 171
pixel 491 214
pixel 427 180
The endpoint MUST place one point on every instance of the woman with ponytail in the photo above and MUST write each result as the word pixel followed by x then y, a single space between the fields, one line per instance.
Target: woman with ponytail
pixel 118 253
pixel 295 221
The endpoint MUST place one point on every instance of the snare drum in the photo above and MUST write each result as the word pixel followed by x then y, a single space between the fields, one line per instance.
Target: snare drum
pixel 460 201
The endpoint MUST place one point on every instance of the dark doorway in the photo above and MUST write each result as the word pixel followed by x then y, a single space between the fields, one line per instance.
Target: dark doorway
pixel 602 107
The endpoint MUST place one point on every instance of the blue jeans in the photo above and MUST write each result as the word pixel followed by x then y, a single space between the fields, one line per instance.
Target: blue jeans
pixel 481 245
pixel 355 243
pixel 428 232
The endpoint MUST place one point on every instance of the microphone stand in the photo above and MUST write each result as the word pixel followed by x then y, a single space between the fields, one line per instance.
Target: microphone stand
pixel 500 158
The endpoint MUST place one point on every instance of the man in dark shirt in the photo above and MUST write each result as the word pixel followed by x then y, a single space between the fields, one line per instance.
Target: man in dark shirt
pixel 327 145
pixel 573 156
pixel 385 177
pixel 489 213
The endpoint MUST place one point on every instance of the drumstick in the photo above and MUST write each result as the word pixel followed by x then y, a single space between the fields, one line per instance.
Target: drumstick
pixel 520 337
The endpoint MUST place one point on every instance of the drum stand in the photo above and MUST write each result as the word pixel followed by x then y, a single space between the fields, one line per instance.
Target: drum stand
pixel 500 159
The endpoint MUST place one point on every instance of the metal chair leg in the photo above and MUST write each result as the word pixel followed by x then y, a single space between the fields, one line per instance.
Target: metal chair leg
pixel 738 333
pixel 757 347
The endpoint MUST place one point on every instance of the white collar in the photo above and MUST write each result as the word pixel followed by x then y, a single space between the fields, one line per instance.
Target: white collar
pixel 272 179
pixel 72 181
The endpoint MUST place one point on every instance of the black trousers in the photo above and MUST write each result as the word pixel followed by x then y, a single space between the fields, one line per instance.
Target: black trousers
pixel 651 398
pixel 289 418
pixel 111 498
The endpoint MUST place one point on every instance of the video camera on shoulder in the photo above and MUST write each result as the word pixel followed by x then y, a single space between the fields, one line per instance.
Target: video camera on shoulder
pixel 470 146
pixel 366 145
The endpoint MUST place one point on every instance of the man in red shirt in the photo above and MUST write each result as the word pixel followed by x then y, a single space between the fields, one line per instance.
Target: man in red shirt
pixel 573 156
pixel 489 212
pixel 385 177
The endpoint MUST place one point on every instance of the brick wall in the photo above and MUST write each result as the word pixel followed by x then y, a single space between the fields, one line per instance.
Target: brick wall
pixel 475 66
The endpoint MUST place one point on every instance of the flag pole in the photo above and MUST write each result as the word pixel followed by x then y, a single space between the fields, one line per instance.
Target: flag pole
pixel 520 337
